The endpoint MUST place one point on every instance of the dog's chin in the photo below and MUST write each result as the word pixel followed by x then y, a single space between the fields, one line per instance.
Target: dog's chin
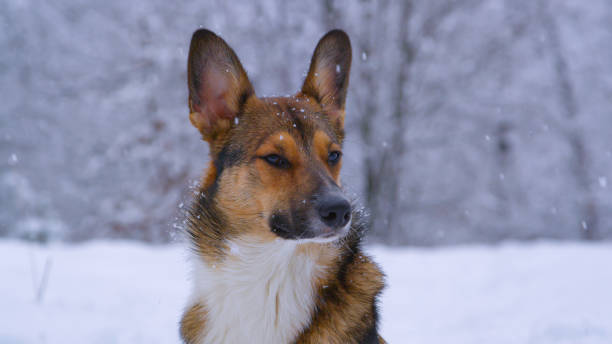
pixel 320 239
pixel 325 236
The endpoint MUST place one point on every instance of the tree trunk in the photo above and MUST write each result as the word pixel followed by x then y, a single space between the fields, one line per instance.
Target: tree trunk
pixel 579 164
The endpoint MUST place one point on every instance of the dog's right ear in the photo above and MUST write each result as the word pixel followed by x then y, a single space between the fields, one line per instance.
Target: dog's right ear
pixel 218 85
pixel 328 76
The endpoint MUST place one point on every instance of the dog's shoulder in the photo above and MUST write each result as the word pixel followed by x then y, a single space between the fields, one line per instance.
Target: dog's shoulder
pixel 347 309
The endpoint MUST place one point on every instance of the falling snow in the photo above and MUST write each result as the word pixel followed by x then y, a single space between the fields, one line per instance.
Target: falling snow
pixel 603 182
pixel 109 153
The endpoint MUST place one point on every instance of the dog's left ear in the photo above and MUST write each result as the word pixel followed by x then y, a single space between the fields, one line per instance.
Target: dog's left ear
pixel 328 76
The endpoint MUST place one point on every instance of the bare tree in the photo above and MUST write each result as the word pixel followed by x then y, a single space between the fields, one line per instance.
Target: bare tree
pixel 369 43
pixel 384 163
pixel 330 15
pixel 579 163
pixel 391 161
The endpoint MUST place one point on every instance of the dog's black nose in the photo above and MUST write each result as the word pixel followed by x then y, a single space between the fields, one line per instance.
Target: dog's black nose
pixel 335 211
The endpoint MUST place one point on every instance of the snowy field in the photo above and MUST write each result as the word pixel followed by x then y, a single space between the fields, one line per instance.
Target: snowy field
pixel 123 292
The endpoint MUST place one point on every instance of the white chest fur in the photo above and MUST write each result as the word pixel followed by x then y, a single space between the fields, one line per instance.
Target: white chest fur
pixel 263 293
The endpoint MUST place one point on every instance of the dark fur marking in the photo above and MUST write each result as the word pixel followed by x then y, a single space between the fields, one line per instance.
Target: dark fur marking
pixel 349 258
pixel 281 226
pixel 228 157
pixel 371 336
pixel 243 98
pixel 300 128
pixel 206 224
pixel 294 226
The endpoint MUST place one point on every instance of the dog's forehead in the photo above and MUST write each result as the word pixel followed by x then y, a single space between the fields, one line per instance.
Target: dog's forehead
pixel 301 117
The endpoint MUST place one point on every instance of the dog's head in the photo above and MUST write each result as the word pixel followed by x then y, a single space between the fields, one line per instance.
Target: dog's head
pixel 275 168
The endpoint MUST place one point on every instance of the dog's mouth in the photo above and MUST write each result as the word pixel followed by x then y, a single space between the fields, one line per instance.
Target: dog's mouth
pixel 280 230
pixel 282 227
pixel 311 231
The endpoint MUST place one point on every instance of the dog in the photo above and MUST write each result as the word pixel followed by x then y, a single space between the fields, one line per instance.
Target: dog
pixel 276 243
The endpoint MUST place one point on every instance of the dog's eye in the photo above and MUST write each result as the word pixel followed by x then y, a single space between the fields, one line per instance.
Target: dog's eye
pixel 276 161
pixel 334 157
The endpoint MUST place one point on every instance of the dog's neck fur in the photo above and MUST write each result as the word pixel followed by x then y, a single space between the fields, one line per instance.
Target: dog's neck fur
pixel 261 292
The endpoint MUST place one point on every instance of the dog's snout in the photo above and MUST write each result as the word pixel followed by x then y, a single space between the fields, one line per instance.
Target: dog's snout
pixel 335 211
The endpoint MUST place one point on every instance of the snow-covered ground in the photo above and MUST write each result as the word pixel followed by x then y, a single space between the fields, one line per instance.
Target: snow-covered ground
pixel 123 292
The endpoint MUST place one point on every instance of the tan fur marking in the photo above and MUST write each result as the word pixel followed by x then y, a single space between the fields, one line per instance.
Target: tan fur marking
pixel 193 324
pixel 210 176
pixel 283 144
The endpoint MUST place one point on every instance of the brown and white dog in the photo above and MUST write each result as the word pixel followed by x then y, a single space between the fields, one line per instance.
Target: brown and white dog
pixel 276 242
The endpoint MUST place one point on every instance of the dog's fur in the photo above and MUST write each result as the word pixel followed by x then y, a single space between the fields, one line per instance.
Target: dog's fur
pixel 269 267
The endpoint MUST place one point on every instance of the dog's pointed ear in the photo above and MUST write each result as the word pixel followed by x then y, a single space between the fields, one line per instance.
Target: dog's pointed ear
pixel 218 85
pixel 328 76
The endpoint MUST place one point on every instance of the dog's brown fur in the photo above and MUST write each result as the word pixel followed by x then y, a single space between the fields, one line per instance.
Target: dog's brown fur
pixel 241 190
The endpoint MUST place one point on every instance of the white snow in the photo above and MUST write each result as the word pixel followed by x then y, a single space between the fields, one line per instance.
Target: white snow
pixel 125 292
pixel 13 159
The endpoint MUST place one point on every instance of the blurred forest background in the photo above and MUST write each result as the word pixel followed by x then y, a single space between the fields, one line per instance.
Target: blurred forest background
pixel 467 121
